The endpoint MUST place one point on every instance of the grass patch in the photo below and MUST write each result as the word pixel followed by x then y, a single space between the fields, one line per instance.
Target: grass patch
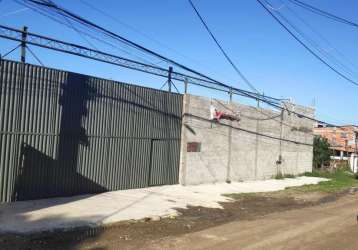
pixel 238 196
pixel 340 180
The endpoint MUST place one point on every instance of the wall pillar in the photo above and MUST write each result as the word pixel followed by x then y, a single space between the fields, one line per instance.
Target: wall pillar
pixel 228 170
pixel 183 141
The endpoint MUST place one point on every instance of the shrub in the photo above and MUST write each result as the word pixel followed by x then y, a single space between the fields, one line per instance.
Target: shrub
pixel 321 152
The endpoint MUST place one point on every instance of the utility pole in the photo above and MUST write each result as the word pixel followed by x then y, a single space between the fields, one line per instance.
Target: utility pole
pixel 23 44
pixel 228 172
pixel 356 140
pixel 355 158
pixel 170 78
pixel 186 85
pixel 279 161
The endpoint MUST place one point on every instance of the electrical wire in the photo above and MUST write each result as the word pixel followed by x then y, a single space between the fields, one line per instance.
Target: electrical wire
pixel 28 4
pixel 126 41
pixel 87 23
pixel 247 131
pixel 252 87
pixel 268 116
pixel 83 33
pixel 50 4
pixel 315 45
pixel 133 44
pixel 325 51
pixel 47 14
pixel 248 117
pixel 13 12
pixel 138 31
pixel 323 13
pixel 306 46
pixel 49 41
pixel 79 33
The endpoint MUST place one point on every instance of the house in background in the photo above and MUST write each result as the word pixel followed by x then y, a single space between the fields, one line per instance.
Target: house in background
pixel 343 139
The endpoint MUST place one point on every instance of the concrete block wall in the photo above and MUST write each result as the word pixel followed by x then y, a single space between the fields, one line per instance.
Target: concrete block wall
pixel 248 149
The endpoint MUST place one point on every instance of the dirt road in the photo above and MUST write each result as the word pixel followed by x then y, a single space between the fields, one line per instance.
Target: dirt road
pixel 270 221
pixel 328 226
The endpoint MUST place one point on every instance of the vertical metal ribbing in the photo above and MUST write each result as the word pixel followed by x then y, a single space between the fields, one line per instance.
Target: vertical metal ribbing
pixel 98 132
pixel 61 78
pixel 3 94
pixel 3 137
pixel 13 124
pixel 109 137
pixel 7 118
pixel 120 123
pixel 1 121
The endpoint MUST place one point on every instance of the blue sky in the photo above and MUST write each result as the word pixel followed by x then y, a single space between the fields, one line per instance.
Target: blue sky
pixel 264 52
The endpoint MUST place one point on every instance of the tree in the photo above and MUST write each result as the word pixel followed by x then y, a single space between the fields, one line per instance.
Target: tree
pixel 321 152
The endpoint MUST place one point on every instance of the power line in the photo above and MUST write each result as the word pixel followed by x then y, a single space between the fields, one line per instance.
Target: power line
pixel 79 33
pixel 268 116
pixel 323 52
pixel 84 21
pixel 128 26
pixel 250 117
pixel 13 12
pixel 305 46
pixel 41 9
pixel 316 32
pixel 221 49
pixel 248 131
pixel 87 23
pixel 70 25
pixel 80 19
pixel 122 23
pixel 84 34
pixel 105 57
pixel 79 50
pixel 91 6
pixel 138 31
pixel 323 13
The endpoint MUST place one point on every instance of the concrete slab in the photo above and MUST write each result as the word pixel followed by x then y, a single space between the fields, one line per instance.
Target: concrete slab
pixel 134 204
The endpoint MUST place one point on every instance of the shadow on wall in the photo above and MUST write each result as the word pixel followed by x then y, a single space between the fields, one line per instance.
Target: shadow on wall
pixel 40 176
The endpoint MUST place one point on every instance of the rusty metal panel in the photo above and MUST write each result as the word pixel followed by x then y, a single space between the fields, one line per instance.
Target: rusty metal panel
pixel 63 133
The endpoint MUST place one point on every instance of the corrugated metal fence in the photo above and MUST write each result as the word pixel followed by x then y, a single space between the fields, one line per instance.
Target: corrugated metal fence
pixel 63 134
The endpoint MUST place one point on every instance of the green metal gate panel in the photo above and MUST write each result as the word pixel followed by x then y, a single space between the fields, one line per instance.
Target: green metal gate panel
pixel 161 171
pixel 63 133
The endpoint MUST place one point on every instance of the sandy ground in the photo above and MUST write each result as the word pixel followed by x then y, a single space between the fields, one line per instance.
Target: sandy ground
pixel 327 226
pixel 113 207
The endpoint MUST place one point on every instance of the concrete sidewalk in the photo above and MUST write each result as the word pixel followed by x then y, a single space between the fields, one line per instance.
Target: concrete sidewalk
pixel 111 207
